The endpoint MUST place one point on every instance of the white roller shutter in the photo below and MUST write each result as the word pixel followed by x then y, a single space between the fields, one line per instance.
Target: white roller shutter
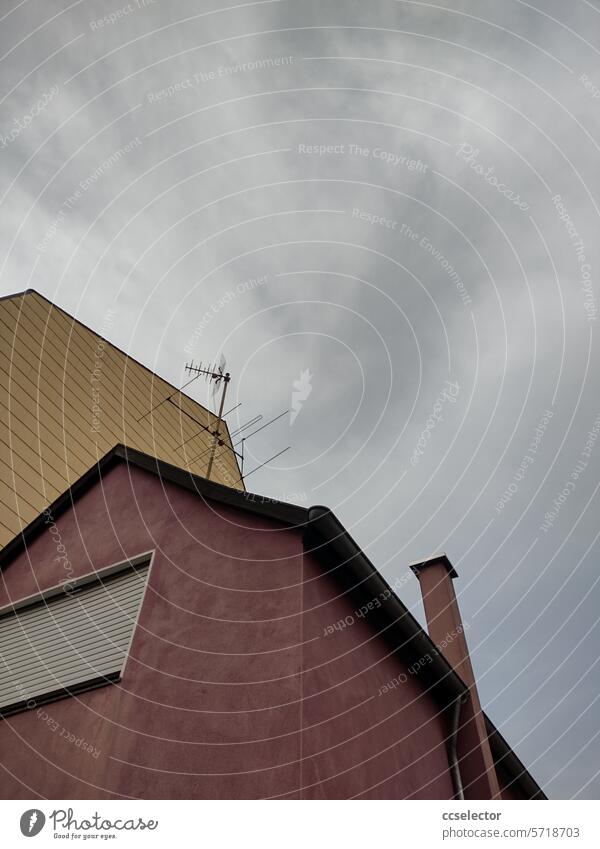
pixel 61 641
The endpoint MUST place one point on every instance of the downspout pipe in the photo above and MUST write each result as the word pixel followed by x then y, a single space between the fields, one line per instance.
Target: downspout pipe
pixel 453 750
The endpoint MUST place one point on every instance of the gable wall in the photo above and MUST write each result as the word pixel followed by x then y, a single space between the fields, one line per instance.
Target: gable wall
pixel 67 397
pixel 231 690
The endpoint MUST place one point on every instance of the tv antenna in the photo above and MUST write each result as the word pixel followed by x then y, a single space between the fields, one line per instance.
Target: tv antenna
pixel 218 377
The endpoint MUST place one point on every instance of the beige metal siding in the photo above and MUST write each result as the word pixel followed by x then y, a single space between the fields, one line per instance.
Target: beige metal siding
pixel 70 639
pixel 48 434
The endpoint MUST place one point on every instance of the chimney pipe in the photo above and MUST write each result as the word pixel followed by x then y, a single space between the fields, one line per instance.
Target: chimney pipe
pixel 436 576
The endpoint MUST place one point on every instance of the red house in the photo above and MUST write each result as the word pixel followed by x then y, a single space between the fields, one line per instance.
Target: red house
pixel 165 636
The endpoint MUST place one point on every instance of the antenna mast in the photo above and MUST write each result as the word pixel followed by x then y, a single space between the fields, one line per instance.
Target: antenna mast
pixel 217 374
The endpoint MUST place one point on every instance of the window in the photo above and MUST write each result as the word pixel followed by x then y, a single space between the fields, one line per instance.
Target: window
pixel 71 637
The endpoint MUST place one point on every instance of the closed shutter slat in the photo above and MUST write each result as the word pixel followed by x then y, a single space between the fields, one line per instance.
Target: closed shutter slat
pixel 69 639
pixel 108 591
pixel 80 645
pixel 71 621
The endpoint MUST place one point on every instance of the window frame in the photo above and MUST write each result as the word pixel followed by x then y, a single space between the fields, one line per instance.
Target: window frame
pixel 41 598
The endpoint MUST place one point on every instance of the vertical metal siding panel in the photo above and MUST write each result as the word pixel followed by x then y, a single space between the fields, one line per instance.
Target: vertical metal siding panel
pixel 49 358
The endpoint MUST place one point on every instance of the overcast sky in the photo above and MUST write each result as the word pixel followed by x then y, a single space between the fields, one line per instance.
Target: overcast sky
pixel 385 214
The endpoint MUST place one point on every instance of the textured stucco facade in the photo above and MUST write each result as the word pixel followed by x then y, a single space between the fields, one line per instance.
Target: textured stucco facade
pixel 233 688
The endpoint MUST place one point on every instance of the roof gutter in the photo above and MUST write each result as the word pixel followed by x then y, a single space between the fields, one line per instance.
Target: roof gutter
pixel 328 540
pixel 512 769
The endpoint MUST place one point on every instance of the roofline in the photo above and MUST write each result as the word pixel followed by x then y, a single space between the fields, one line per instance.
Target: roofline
pixel 445 684
pixel 133 359
pixel 507 761
pixel 324 537
pixel 288 514
pixel 339 551
pixel 19 294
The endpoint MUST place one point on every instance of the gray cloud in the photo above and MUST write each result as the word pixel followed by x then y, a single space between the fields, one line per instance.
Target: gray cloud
pixel 219 191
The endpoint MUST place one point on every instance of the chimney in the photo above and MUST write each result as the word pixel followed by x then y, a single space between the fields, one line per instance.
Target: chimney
pixel 436 576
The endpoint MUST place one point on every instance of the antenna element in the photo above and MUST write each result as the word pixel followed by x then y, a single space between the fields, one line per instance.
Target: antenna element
pixel 218 375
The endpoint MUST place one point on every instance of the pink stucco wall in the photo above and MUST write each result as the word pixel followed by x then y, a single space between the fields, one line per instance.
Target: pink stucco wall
pixel 233 689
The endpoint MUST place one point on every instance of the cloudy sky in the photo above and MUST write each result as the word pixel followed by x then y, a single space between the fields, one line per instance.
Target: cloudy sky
pixel 385 214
